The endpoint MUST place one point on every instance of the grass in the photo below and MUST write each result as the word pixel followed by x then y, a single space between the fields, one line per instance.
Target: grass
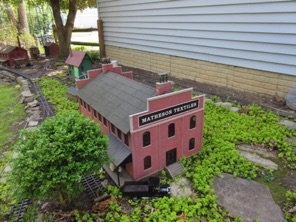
pixel 10 112
pixel 59 64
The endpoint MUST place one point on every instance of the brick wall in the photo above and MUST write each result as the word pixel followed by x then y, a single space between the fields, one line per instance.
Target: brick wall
pixel 239 78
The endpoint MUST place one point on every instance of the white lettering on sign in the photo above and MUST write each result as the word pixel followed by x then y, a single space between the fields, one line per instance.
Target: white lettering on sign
pixel 162 114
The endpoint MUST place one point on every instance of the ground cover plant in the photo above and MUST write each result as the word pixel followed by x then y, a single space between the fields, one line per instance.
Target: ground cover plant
pixel 55 92
pixel 290 206
pixel 223 131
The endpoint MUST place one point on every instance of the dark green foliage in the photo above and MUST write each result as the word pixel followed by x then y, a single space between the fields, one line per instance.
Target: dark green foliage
pixel 52 159
pixel 93 54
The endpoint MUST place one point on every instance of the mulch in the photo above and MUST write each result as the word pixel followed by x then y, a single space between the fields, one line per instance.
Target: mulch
pixel 276 104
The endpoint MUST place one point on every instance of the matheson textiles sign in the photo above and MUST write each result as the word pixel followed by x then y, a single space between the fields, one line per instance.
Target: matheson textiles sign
pixel 162 114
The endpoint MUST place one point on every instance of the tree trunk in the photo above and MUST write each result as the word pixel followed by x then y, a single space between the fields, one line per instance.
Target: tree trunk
pixel 64 32
pixel 23 22
pixel 12 17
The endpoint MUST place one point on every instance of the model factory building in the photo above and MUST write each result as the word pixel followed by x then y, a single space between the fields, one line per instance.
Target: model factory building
pixel 148 128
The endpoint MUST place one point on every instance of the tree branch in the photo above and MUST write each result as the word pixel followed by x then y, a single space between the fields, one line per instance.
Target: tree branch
pixel 56 11
pixel 71 15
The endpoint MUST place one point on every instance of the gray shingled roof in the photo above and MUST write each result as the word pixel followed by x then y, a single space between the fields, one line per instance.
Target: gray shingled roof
pixel 116 97
pixel 117 151
pixel 7 49
pixel 72 90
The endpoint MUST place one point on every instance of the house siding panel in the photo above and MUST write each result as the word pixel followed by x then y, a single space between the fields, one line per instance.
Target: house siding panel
pixel 250 34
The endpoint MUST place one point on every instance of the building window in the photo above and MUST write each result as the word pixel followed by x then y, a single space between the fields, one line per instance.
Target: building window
pixel 146 139
pixel 191 144
pixel 82 68
pixel 112 128
pixel 95 114
pixel 88 108
pixel 126 139
pixel 119 133
pixel 192 122
pixel 84 104
pixel 105 121
pixel 147 162
pixel 100 117
pixel 171 130
pixel 81 102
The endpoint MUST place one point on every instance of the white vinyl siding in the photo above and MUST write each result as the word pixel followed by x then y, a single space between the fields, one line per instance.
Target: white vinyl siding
pixel 247 33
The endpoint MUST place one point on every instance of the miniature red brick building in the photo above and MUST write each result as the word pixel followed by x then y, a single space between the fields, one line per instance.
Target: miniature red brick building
pixel 13 55
pixel 149 129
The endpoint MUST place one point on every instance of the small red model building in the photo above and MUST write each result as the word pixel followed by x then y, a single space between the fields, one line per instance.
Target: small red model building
pixel 148 128
pixel 13 55
pixel 52 50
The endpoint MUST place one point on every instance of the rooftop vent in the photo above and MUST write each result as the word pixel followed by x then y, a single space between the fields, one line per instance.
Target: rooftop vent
pixel 163 77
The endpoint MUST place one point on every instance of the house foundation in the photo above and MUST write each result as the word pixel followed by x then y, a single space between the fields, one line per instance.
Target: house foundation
pixel 234 77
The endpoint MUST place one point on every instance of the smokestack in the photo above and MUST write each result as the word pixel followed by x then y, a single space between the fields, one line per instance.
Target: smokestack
pixel 19 42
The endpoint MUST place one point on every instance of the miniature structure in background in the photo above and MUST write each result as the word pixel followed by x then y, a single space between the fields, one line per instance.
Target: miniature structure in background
pixel 34 52
pixel 78 64
pixel 148 128
pixel 51 50
pixel 13 55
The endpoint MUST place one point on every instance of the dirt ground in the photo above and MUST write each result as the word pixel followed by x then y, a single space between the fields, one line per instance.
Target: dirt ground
pixel 277 104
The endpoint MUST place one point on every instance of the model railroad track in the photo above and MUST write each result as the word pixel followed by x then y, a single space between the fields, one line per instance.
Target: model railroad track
pixel 26 76
pixel 42 70
pixel 94 187
pixel 61 81
pixel 47 110
pixel 20 209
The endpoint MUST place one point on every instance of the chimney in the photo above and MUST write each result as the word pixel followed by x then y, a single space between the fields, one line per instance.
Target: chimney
pixel 163 86
pixel 114 63
pixel 19 42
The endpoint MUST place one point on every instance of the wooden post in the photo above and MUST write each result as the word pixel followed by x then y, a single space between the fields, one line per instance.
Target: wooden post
pixel 101 38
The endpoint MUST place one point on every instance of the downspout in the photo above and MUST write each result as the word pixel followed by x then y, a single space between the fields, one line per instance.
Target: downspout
pixel 101 33
pixel 98 10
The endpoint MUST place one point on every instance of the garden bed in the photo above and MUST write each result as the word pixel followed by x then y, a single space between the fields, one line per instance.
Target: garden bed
pixel 223 131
